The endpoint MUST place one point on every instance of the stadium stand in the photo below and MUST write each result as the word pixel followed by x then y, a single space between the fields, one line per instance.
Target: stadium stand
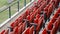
pixel 35 18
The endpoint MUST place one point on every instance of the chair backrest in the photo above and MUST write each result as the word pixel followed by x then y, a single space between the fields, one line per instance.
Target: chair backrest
pixel 12 25
pixel 23 26
pixel 37 16
pixel 7 31
pixel 44 31
pixel 28 17
pixel 20 29
pixel 3 32
pixel 36 20
pixel 15 30
pixel 53 31
pixel 26 31
pixel 20 24
pixel 31 31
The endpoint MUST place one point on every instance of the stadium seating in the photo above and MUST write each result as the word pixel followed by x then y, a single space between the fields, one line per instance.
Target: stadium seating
pixel 44 31
pixel 35 17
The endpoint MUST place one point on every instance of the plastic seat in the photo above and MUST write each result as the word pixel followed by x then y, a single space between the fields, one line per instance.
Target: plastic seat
pixel 20 29
pixel 23 15
pixel 31 31
pixel 28 17
pixel 20 24
pixel 43 5
pixel 56 3
pixel 38 16
pixel 44 31
pixel 55 15
pixel 53 31
pixel 50 24
pixel 40 22
pixel 15 30
pixel 26 31
pixel 36 20
pixel 31 13
pixel 16 23
pixel 27 12
pixel 58 10
pixel 31 17
pixel 50 9
pixel 20 19
pixel 40 1
pixel 46 9
pixel 2 32
pixel 7 31
pixel 23 26
pixel 56 24
pixel 12 24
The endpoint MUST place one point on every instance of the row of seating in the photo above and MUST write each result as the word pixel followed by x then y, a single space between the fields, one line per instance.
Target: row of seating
pixel 29 30
pixel 34 18
pixel 17 25
pixel 53 24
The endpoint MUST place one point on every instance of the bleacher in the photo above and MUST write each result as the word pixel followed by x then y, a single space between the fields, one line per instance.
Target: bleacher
pixel 34 19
